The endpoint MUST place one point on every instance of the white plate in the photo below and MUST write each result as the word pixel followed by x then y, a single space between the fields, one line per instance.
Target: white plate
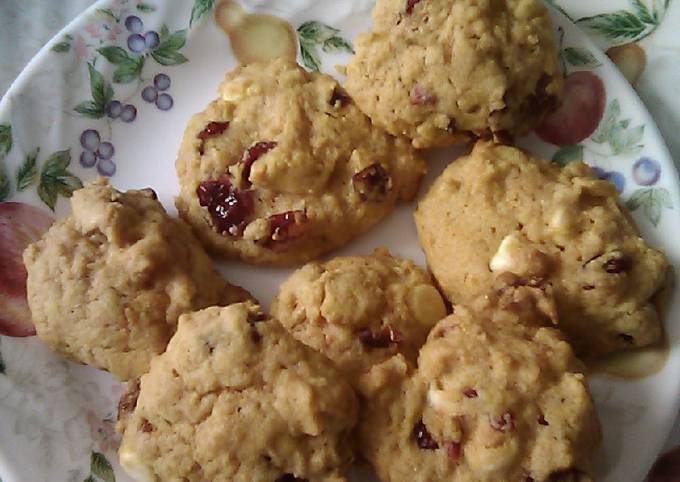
pixel 57 417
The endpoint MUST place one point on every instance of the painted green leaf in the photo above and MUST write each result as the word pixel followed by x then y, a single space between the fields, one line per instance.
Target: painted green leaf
pixel 164 32
pixel 55 180
pixel 5 139
pixel 107 12
pixel 567 154
pixel 5 186
pixel 310 58
pixel 638 198
pixel 652 200
pixel 27 171
pixel 664 197
pixel 611 117
pixel 643 12
pixel 62 47
pixel 129 70
pixel 114 54
pixel 56 163
pixel 90 109
pixel 554 4
pixel 47 195
pixel 167 52
pixel 316 32
pixel 102 92
pixel 101 467
pixel 199 9
pixel 580 57
pixel 89 478
pixel 620 25
pixel 337 43
pixel 146 7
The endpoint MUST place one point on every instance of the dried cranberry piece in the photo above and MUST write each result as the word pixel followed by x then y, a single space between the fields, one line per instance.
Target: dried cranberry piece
pixel 128 401
pixel 252 154
pixel 504 423
pixel 340 97
pixel 146 426
pixel 470 393
pixel 381 338
pixel 453 449
pixel 420 96
pixel 253 319
pixel 229 207
pixel 618 265
pixel 410 4
pixel 372 183
pixel 213 129
pixel 542 421
pixel 289 478
pixel 423 438
pixel 286 228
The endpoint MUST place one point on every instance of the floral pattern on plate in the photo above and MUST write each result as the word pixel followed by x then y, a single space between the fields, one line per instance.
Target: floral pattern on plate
pixel 126 68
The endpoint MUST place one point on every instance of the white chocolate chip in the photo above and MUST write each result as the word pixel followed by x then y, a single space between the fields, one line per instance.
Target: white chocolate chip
pixel 518 256
pixel 133 464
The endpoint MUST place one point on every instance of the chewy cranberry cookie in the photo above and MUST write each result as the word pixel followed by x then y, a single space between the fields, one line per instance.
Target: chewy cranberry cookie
pixel 360 310
pixel 442 71
pixel 236 399
pixel 107 284
pixel 283 167
pixel 495 398
pixel 499 210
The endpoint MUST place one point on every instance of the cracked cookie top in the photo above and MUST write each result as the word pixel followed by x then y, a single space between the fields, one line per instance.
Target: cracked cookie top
pixel 283 167
pixel 236 399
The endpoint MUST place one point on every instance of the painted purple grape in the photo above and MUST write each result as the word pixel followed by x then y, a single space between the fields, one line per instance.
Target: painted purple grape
pixel 149 93
pixel 88 158
pixel 90 140
pixel 599 172
pixel 136 42
pixel 106 167
pixel 614 177
pixel 113 109
pixel 134 24
pixel 152 39
pixel 161 82
pixel 129 113
pixel 617 179
pixel 106 150
pixel 646 171
pixel 164 102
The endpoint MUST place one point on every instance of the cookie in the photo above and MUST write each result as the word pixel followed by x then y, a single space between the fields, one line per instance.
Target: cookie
pixel 283 167
pixel 500 210
pixel 440 71
pixel 236 399
pixel 360 310
pixel 107 284
pixel 495 398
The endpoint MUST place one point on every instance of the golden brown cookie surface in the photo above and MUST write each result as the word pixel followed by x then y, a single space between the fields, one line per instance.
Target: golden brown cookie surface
pixel 439 71
pixel 494 398
pixel 499 210
pixel 283 167
pixel 107 284
pixel 360 310
pixel 236 399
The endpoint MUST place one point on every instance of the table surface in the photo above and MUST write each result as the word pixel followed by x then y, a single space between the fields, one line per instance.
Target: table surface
pixel 26 25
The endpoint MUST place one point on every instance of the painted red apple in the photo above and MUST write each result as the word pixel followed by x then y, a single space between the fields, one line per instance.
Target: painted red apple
pixel 20 224
pixel 666 468
pixel 580 112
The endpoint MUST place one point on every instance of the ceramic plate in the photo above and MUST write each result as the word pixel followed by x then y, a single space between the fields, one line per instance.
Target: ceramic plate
pixel 111 95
